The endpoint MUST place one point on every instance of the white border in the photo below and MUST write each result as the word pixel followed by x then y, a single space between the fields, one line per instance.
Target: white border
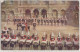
pixel 39 50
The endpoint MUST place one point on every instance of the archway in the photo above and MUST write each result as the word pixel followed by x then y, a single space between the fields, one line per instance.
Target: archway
pixel 55 13
pixel 63 13
pixel 11 15
pixel 28 13
pixel 3 16
pixel 44 13
pixel 36 13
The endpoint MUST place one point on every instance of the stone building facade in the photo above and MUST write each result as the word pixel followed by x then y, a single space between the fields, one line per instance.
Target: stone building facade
pixel 39 9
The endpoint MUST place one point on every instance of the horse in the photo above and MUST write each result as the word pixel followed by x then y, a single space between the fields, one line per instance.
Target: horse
pixel 29 41
pixel 52 43
pixel 44 43
pixel 36 42
pixel 68 43
pixel 13 41
pixel 22 41
pixel 59 43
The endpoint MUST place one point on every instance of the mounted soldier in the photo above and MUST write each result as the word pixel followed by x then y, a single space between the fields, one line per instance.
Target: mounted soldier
pixel 59 42
pixel 6 41
pixel 29 40
pixel 52 41
pixel 44 42
pixel 68 42
pixel 22 40
pixel 76 42
pixel 13 41
pixel 5 30
pixel 36 41
pixel 2 40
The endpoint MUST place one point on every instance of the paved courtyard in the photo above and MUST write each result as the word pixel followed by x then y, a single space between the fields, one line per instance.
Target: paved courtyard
pixel 40 29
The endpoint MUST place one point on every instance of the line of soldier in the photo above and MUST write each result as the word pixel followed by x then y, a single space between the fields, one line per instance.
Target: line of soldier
pixel 47 21
pixel 29 41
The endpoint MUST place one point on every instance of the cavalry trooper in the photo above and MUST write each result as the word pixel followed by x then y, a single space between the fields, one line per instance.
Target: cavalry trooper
pixel 14 40
pixel 52 41
pixel 36 41
pixel 2 40
pixel 6 41
pixel 68 42
pixel 44 41
pixel 41 21
pixel 59 42
pixel 22 41
pixel 5 30
pixel 29 40
pixel 76 42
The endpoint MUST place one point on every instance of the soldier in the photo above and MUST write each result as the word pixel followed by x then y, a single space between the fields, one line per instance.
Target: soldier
pixel 14 20
pixel 13 41
pixel 52 41
pixel 44 21
pixel 5 30
pixel 34 25
pixel 22 41
pixel 44 42
pixel 6 41
pixel 38 20
pixel 29 40
pixel 62 21
pixel 41 21
pixel 58 22
pixel 23 26
pixel 68 42
pixel 36 41
pixel 51 21
pixel 18 24
pixel 59 42
pixel 2 40
pixel 8 19
pixel 55 21
pixel 76 42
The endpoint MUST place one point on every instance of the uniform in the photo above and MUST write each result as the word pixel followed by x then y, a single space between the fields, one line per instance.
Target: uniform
pixel 59 42
pixel 6 40
pixel 22 41
pixel 76 42
pixel 14 40
pixel 44 41
pixel 68 42
pixel 28 41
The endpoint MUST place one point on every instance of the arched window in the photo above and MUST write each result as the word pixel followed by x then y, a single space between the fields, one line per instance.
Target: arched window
pixel 3 16
pixel 55 14
pixel 36 13
pixel 28 13
pixel 11 15
pixel 63 13
pixel 44 13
